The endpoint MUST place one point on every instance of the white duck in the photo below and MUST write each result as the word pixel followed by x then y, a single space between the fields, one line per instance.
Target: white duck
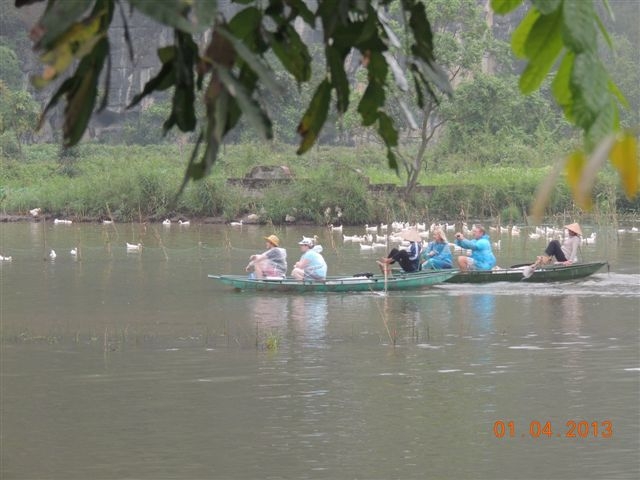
pixel 186 223
pixel 5 259
pixel 236 224
pixel 52 254
pixel 132 247
pixel 74 252
pixel 35 212
pixel 166 222
pixel 335 228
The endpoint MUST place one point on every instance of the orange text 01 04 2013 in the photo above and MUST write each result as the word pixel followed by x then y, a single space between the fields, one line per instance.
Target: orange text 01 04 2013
pixel 549 429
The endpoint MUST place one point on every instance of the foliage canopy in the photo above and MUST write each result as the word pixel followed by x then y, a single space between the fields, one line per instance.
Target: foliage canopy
pixel 232 70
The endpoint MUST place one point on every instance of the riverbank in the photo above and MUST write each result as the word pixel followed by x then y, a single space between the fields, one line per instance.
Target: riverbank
pixel 337 186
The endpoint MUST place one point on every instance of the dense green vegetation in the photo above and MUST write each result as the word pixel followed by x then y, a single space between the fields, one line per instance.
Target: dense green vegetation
pixel 485 149
pixel 137 183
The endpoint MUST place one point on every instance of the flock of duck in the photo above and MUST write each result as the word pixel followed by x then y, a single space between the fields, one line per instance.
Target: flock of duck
pixel 374 237
pixel 381 236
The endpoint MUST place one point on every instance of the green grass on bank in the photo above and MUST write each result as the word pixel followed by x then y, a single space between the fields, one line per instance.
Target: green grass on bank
pixel 134 182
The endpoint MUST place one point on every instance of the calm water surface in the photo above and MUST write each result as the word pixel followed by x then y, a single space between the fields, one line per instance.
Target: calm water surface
pixel 119 365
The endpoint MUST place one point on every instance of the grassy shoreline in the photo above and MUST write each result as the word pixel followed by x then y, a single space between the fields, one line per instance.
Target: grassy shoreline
pixel 331 185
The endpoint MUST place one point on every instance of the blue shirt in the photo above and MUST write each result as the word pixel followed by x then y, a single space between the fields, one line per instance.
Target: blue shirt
pixel 316 267
pixel 481 252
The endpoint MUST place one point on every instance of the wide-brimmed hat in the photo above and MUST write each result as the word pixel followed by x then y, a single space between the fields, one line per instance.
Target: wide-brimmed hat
pixel 411 235
pixel 574 227
pixel 273 240
pixel 306 241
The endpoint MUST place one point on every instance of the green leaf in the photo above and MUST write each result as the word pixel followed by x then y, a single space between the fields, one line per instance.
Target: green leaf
pixel 183 110
pixel 391 160
pixel 505 6
pixel 292 52
pixel 579 31
pixel 81 96
pixel 175 13
pixel 521 33
pixel 545 35
pixel 387 131
pixel 165 79
pixel 589 86
pixel 315 116
pixel 561 85
pixel 602 125
pixel 419 24
pixel 253 61
pixel 300 8
pixel 335 62
pixel 542 47
pixel 245 22
pixel 250 108
pixel 58 17
pixel 545 7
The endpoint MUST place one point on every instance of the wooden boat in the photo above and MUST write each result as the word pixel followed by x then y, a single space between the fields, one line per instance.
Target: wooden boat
pixel 365 283
pixel 516 273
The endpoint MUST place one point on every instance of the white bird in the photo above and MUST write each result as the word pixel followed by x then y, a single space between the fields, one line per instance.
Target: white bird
pixel 497 244
pixel 52 254
pixel 166 222
pixel 186 223
pixel 107 222
pixel 384 227
pixel 515 230
pixel 35 212
pixel 590 240
pixel 74 252
pixel 634 229
pixel 58 220
pixel 335 228
pixel 379 245
pixel 132 247
pixel 504 229
pixel 534 236
pixel 5 259
pixel 367 228
pixel 236 224
pixel 364 246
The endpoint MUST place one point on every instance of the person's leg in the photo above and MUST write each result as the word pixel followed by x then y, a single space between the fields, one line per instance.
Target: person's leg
pixel 402 257
pixel 463 262
pixel 435 264
pixel 554 249
pixel 297 273
pixel 259 266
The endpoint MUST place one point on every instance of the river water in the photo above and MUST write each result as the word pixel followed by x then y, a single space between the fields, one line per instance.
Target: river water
pixel 122 365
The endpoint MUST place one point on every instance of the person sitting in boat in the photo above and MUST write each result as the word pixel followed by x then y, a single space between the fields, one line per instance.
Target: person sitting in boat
pixel 311 265
pixel 272 262
pixel 437 254
pixel 482 257
pixel 409 258
pixel 565 253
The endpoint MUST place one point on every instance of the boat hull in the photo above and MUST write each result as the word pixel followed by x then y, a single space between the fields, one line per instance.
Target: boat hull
pixel 548 273
pixel 397 281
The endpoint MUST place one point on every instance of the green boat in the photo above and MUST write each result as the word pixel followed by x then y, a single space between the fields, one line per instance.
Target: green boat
pixel 517 273
pixel 360 283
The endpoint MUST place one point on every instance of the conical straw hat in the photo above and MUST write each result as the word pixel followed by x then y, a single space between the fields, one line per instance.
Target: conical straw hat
pixel 410 235
pixel 575 228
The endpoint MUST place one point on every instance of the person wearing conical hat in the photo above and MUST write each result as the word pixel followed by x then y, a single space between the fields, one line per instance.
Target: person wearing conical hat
pixel 409 259
pixel 271 263
pixel 567 252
